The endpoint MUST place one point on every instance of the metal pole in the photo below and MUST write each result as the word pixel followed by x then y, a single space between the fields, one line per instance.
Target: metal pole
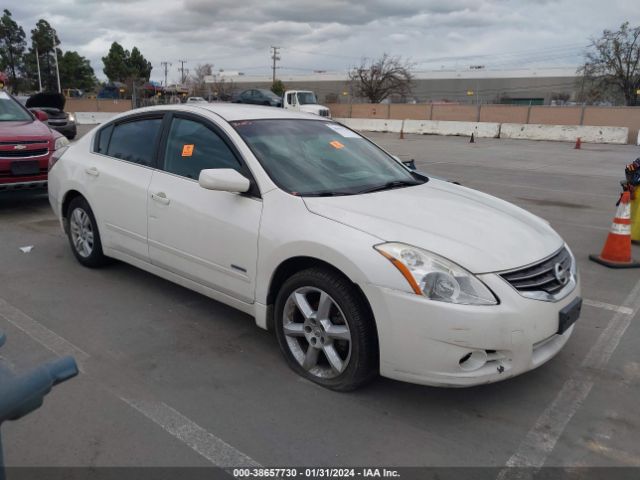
pixel 55 54
pixel 275 58
pixel 38 64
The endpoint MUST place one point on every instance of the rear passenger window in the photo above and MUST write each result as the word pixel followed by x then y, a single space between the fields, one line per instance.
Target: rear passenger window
pixel 103 140
pixel 135 141
pixel 192 147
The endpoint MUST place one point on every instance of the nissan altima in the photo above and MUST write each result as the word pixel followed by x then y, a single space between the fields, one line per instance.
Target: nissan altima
pixel 359 265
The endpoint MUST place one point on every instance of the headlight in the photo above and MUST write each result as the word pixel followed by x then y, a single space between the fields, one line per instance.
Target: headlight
pixel 60 142
pixel 435 277
pixel 71 117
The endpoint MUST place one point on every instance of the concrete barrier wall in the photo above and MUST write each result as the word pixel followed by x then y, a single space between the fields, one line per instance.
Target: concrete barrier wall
pixel 371 124
pixel 94 118
pixel 565 133
pixel 436 127
pixel 628 117
pixel 619 116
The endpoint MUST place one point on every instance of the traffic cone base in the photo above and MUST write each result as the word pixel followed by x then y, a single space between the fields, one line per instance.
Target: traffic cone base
pixel 610 264
pixel 616 252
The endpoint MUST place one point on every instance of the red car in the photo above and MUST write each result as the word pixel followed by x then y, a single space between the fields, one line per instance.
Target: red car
pixel 26 145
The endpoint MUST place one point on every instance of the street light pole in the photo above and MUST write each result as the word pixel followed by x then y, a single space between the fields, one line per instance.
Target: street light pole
pixel 55 54
pixel 38 65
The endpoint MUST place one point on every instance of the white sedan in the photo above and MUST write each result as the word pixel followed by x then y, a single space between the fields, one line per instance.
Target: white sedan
pixel 360 265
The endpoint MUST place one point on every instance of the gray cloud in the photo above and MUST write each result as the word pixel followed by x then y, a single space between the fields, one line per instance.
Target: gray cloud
pixel 329 34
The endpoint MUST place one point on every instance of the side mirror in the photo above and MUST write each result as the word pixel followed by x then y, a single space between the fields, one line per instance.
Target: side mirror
pixel 224 180
pixel 40 115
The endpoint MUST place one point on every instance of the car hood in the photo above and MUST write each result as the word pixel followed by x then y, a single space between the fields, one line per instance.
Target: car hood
pixel 26 131
pixel 477 231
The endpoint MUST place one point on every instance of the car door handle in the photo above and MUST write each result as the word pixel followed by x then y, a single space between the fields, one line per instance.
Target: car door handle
pixel 161 197
pixel 93 171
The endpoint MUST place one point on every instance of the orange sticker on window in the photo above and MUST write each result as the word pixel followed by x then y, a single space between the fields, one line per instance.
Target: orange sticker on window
pixel 187 150
pixel 336 144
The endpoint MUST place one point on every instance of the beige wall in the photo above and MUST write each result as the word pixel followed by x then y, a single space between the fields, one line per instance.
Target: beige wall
pixel 462 113
pixel 504 113
pixel 95 105
pixel 596 116
pixel 556 115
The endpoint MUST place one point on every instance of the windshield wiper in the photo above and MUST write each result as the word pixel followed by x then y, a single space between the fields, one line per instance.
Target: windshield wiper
pixel 390 185
pixel 324 194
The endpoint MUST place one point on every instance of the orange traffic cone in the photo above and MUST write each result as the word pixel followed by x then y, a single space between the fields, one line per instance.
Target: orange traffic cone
pixel 617 249
pixel 578 144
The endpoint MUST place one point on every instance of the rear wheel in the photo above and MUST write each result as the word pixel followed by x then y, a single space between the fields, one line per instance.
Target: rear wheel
pixel 325 330
pixel 83 234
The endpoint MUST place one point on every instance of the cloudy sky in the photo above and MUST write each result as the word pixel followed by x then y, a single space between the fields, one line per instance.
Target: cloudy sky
pixel 333 35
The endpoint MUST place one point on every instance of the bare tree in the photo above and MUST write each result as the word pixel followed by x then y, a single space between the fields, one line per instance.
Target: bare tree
pixel 377 79
pixel 196 81
pixel 613 62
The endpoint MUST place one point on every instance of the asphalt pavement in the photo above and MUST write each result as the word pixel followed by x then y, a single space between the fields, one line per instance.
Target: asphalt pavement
pixel 172 378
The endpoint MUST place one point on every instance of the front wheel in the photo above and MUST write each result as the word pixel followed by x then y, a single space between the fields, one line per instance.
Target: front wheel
pixel 325 330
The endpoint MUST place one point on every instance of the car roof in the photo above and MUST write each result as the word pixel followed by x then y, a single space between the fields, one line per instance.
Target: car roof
pixel 235 111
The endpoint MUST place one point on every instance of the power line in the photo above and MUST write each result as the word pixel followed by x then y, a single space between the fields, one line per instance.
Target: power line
pixel 275 58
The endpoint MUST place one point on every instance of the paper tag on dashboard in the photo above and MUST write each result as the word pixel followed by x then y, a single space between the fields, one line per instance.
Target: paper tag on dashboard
pixel 345 132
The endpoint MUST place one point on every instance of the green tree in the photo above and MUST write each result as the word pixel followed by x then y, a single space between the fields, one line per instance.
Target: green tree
pixel 76 71
pixel 120 65
pixel 139 67
pixel 613 62
pixel 44 41
pixel 12 46
pixel 278 88
pixel 116 66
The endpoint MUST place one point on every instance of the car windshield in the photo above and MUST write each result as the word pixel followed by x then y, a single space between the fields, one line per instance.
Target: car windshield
pixel 315 158
pixel 12 111
pixel 306 98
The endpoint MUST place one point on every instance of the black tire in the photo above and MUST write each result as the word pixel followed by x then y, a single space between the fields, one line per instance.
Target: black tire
pixel 362 365
pixel 95 258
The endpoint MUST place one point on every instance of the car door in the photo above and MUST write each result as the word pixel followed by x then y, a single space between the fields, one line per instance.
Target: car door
pixel 116 179
pixel 210 237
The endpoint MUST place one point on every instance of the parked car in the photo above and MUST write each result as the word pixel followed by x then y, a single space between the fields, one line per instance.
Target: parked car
pixel 359 264
pixel 257 96
pixel 26 145
pixel 53 105
pixel 196 100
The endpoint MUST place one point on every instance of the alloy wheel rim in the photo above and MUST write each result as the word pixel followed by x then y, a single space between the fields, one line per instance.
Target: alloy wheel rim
pixel 81 232
pixel 316 332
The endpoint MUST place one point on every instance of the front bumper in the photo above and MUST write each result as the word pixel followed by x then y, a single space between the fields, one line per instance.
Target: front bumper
pixel 426 342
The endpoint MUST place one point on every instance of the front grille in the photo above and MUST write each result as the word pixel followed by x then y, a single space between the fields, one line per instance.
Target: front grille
pixel 542 276
pixel 23 153
pixel 23 142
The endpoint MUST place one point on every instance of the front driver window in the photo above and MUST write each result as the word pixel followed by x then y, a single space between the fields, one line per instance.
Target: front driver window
pixel 192 147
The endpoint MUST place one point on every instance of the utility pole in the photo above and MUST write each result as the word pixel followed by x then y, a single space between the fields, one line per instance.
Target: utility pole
pixel 182 75
pixel 275 58
pixel 166 66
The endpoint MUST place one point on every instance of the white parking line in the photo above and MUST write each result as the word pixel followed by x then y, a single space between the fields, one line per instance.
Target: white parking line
pixel 608 306
pixel 41 334
pixel 209 446
pixel 214 449
pixel 543 436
